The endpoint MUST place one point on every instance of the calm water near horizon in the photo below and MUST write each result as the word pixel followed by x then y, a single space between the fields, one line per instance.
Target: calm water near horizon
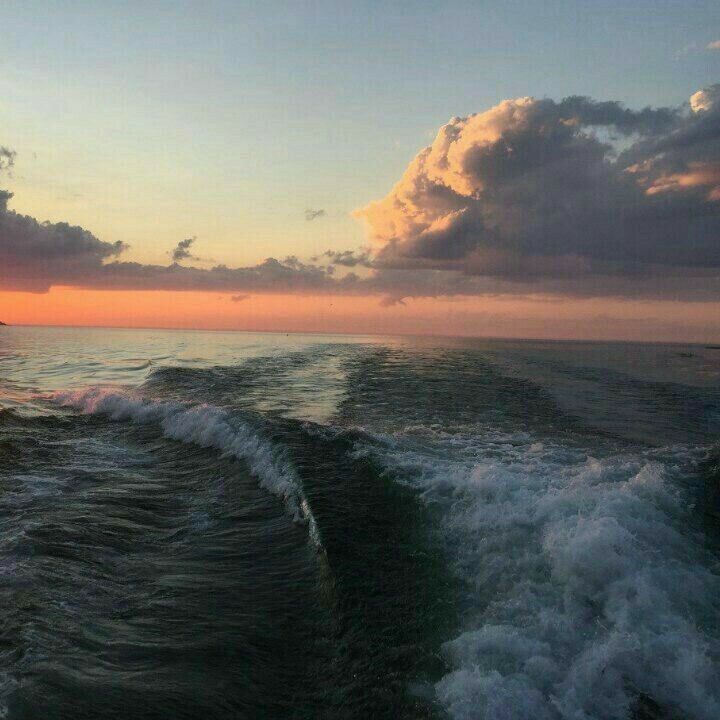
pixel 258 525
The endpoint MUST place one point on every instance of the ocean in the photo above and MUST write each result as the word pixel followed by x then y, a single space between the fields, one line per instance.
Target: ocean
pixel 234 525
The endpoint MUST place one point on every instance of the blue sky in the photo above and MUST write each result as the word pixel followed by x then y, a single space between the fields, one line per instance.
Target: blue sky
pixel 152 121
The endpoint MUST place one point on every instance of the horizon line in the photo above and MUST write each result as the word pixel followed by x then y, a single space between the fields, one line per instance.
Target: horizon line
pixel 366 334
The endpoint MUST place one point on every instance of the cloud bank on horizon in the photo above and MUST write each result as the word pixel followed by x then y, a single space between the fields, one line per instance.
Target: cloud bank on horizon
pixel 534 196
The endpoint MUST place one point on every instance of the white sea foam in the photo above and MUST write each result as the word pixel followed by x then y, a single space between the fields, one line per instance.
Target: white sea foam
pixel 586 593
pixel 206 426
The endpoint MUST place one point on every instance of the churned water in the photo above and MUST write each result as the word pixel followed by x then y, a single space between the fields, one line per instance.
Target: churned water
pixel 229 525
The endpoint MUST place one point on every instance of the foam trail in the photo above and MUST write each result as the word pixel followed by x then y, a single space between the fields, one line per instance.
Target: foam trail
pixel 588 596
pixel 206 426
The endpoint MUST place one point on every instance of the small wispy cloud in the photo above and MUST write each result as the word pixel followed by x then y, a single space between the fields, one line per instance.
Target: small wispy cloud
pixel 348 258
pixel 182 250
pixel 238 298
pixel 7 159
pixel 714 45
pixel 311 214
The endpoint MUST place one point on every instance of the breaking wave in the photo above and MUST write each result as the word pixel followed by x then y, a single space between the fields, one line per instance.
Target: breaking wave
pixel 206 426
pixel 504 540
pixel 588 595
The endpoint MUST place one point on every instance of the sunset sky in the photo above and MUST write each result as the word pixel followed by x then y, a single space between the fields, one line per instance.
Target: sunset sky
pixel 517 169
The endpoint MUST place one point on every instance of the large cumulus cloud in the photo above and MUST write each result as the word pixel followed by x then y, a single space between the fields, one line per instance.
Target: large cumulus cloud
pixel 564 196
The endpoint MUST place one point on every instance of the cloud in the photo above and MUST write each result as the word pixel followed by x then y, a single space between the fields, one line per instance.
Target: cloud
pixel 705 99
pixel 554 196
pixel 532 197
pixel 311 215
pixel 349 258
pixel 7 159
pixel 239 298
pixel 182 251
pixel 271 275
pixel 714 45
pixel 36 255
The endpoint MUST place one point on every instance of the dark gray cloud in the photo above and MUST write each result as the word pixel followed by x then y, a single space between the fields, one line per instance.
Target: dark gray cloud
pixel 182 251
pixel 271 275
pixel 7 159
pixel 348 258
pixel 36 255
pixel 551 194
pixel 311 214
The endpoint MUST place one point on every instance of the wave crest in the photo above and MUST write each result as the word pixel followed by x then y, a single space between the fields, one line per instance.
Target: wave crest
pixel 588 596
pixel 207 426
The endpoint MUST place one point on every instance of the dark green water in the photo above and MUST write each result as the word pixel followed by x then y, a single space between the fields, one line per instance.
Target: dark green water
pixel 215 525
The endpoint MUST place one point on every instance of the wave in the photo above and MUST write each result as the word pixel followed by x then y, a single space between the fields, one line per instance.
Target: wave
pixel 589 595
pixel 140 364
pixel 207 426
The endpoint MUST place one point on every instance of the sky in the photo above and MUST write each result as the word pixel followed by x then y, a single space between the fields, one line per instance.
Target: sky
pixel 264 166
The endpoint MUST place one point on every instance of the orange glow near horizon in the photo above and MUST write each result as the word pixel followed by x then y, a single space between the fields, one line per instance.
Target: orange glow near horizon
pixel 600 319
